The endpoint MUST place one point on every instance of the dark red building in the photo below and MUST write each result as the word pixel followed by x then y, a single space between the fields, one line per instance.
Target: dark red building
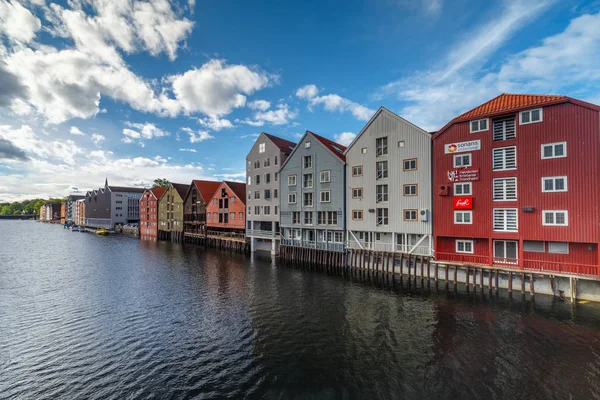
pixel 149 213
pixel 517 183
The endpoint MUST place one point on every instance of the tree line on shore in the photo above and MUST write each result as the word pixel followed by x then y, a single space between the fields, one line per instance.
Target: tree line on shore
pixel 25 206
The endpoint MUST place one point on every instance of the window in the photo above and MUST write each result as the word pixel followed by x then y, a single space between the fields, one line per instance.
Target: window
pixel 463 217
pixel 307 144
pixel 308 218
pixel 504 129
pixel 267 162
pixel 257 164
pixel 307 161
pixel 215 201
pixel 232 216
pixel 363 150
pixel 308 199
pixel 267 178
pixel 506 251
pixel 257 179
pixel 276 176
pixel 322 217
pixel 534 246
pixel 410 190
pixel 256 210
pixel 295 217
pixel 275 210
pixel 257 194
pixel 554 150
pixel 462 160
pixel 357 193
pixel 463 189
pixel 530 116
pixel 410 215
pixel 276 160
pixel 555 218
pixel 382 216
pixel 208 216
pixel 249 181
pixel 292 180
pixel 401 143
pixel 274 193
pixel 267 210
pixel 249 211
pixel 479 125
pixel 357 170
pixel 327 217
pixel 292 198
pixel 505 189
pixel 382 193
pixel 381 146
pixel 505 219
pixel 554 184
pixel 410 164
pixel 504 158
pixel 357 215
pixel 361 235
pixel 308 181
pixel 558 247
pixel 241 216
pixel 232 200
pixel 338 237
pixel 382 169
pixel 215 216
pixel 261 148
pixel 325 176
pixel 325 196
pixel 464 246
pixel 267 194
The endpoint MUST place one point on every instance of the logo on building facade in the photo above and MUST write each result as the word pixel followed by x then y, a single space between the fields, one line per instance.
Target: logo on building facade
pixel 461 147
pixel 463 203
pixel 463 175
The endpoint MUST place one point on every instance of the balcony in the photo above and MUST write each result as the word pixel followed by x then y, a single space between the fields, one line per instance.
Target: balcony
pixel 311 244
pixel 257 233
pixel 392 248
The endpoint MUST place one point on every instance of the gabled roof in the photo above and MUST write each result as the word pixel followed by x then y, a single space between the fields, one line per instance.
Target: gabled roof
pixel 126 189
pixel 335 148
pixel 157 192
pixel 206 189
pixel 238 188
pixel 374 117
pixel 181 189
pixel 284 145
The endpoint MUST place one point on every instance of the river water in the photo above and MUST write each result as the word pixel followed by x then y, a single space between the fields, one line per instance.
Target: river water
pixel 88 317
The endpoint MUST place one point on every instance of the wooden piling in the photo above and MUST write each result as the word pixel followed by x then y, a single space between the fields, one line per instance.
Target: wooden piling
pixel 531 288
pixel 510 282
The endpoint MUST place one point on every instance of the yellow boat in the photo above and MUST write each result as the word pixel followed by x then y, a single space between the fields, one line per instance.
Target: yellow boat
pixel 102 232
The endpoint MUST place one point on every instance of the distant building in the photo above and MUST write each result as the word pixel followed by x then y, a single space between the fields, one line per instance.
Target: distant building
pixel 53 212
pixel 312 186
pixel 226 211
pixel 196 199
pixel 112 205
pixel 70 214
pixel 63 212
pixel 170 210
pixel 262 185
pixel 149 213
pixel 79 212
pixel 43 213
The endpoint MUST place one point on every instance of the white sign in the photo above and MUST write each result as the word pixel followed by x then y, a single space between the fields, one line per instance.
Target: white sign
pixel 461 147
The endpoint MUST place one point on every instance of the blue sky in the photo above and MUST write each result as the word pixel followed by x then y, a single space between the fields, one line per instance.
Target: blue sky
pixel 138 90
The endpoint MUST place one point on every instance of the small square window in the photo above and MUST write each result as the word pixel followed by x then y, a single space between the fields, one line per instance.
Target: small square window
pixel 530 116
pixel 401 143
pixel 363 150
pixel 307 144
pixel 410 164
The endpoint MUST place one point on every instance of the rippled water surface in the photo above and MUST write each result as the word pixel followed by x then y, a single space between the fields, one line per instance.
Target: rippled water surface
pixel 85 317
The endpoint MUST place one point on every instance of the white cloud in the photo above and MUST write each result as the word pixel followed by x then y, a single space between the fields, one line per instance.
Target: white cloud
pixel 160 159
pixel 216 124
pixel 197 136
pixel 250 135
pixel 189 150
pixel 144 131
pixel 262 105
pixel 281 116
pixel 17 23
pixel 334 102
pixel 97 139
pixel 76 131
pixel 344 138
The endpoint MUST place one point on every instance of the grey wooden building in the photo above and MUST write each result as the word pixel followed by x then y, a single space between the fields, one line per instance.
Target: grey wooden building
pixel 112 205
pixel 262 190
pixel 312 190
pixel 389 195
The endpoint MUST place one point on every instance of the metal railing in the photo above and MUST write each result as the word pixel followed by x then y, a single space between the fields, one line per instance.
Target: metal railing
pixel 236 235
pixel 397 248
pixel 311 244
pixel 262 234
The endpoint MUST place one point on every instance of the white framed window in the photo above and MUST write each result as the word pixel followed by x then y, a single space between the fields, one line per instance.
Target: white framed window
pixel 505 189
pixel 462 160
pixel 506 251
pixel 295 217
pixel 363 150
pixel 382 216
pixel 479 125
pixel 381 146
pixel 357 215
pixel 464 246
pixel 504 158
pixel 410 189
pixel 307 161
pixel 531 116
pixel 256 210
pixel 410 215
pixel 267 162
pixel 410 164
pixel 249 181
pixel 307 181
pixel 307 144
pixel 382 193
pixel 261 148
pixel 401 143
pixel 292 198
pixel 558 247
pixel 325 176
pixel 308 199
pixel 308 218
pixel 554 184
pixel 554 150
pixel 505 219
pixel 555 218
pixel 338 237
pixel 504 129
pixel 463 217
pixel 463 189
pixel 292 180
pixel 382 169
pixel 534 246
pixel 357 193
pixel 357 170
pixel 325 196
pixel 256 164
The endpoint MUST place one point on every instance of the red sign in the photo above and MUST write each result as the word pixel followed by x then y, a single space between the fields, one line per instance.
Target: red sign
pixel 463 175
pixel 463 203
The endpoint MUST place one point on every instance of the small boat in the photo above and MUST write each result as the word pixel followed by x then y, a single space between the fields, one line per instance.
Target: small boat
pixel 76 228
pixel 102 232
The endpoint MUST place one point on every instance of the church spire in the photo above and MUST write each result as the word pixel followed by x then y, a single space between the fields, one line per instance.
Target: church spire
pixel 106 183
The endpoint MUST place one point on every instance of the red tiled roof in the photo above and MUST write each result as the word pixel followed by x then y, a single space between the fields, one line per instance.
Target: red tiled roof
pixel 206 188
pixel 509 102
pixel 238 188
pixel 334 147
pixel 158 192
pixel 284 145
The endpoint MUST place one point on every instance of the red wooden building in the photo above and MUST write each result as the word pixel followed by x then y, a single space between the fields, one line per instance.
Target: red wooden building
pixel 517 183
pixel 226 211
pixel 149 213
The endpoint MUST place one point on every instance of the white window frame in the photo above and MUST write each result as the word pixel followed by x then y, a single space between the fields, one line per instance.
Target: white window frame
pixel 566 189
pixel 312 181
pixel 554 212
pixel 307 144
pixel 354 215
pixel 463 212
pixel 530 121
pixel 383 150
pixel 487 125
pixel 290 183
pixel 505 230
pixel 261 147
pixel 456 157
pixel 463 185
pixel 464 242
pixel 361 193
pixel 505 192
pixel 557 252
pixel 295 198
pixel 312 199
pixel 355 167
pixel 304 159
pixel 553 150
pixel 495 149
pixel 328 180
pixel 328 192
pixel 249 181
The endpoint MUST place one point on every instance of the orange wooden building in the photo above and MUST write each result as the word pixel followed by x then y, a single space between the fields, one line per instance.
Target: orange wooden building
pixel 226 211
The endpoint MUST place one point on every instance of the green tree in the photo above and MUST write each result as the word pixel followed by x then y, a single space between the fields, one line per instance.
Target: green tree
pixel 161 182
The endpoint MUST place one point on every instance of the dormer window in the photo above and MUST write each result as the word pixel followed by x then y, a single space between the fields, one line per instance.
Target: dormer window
pixel 479 125
pixel 530 116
